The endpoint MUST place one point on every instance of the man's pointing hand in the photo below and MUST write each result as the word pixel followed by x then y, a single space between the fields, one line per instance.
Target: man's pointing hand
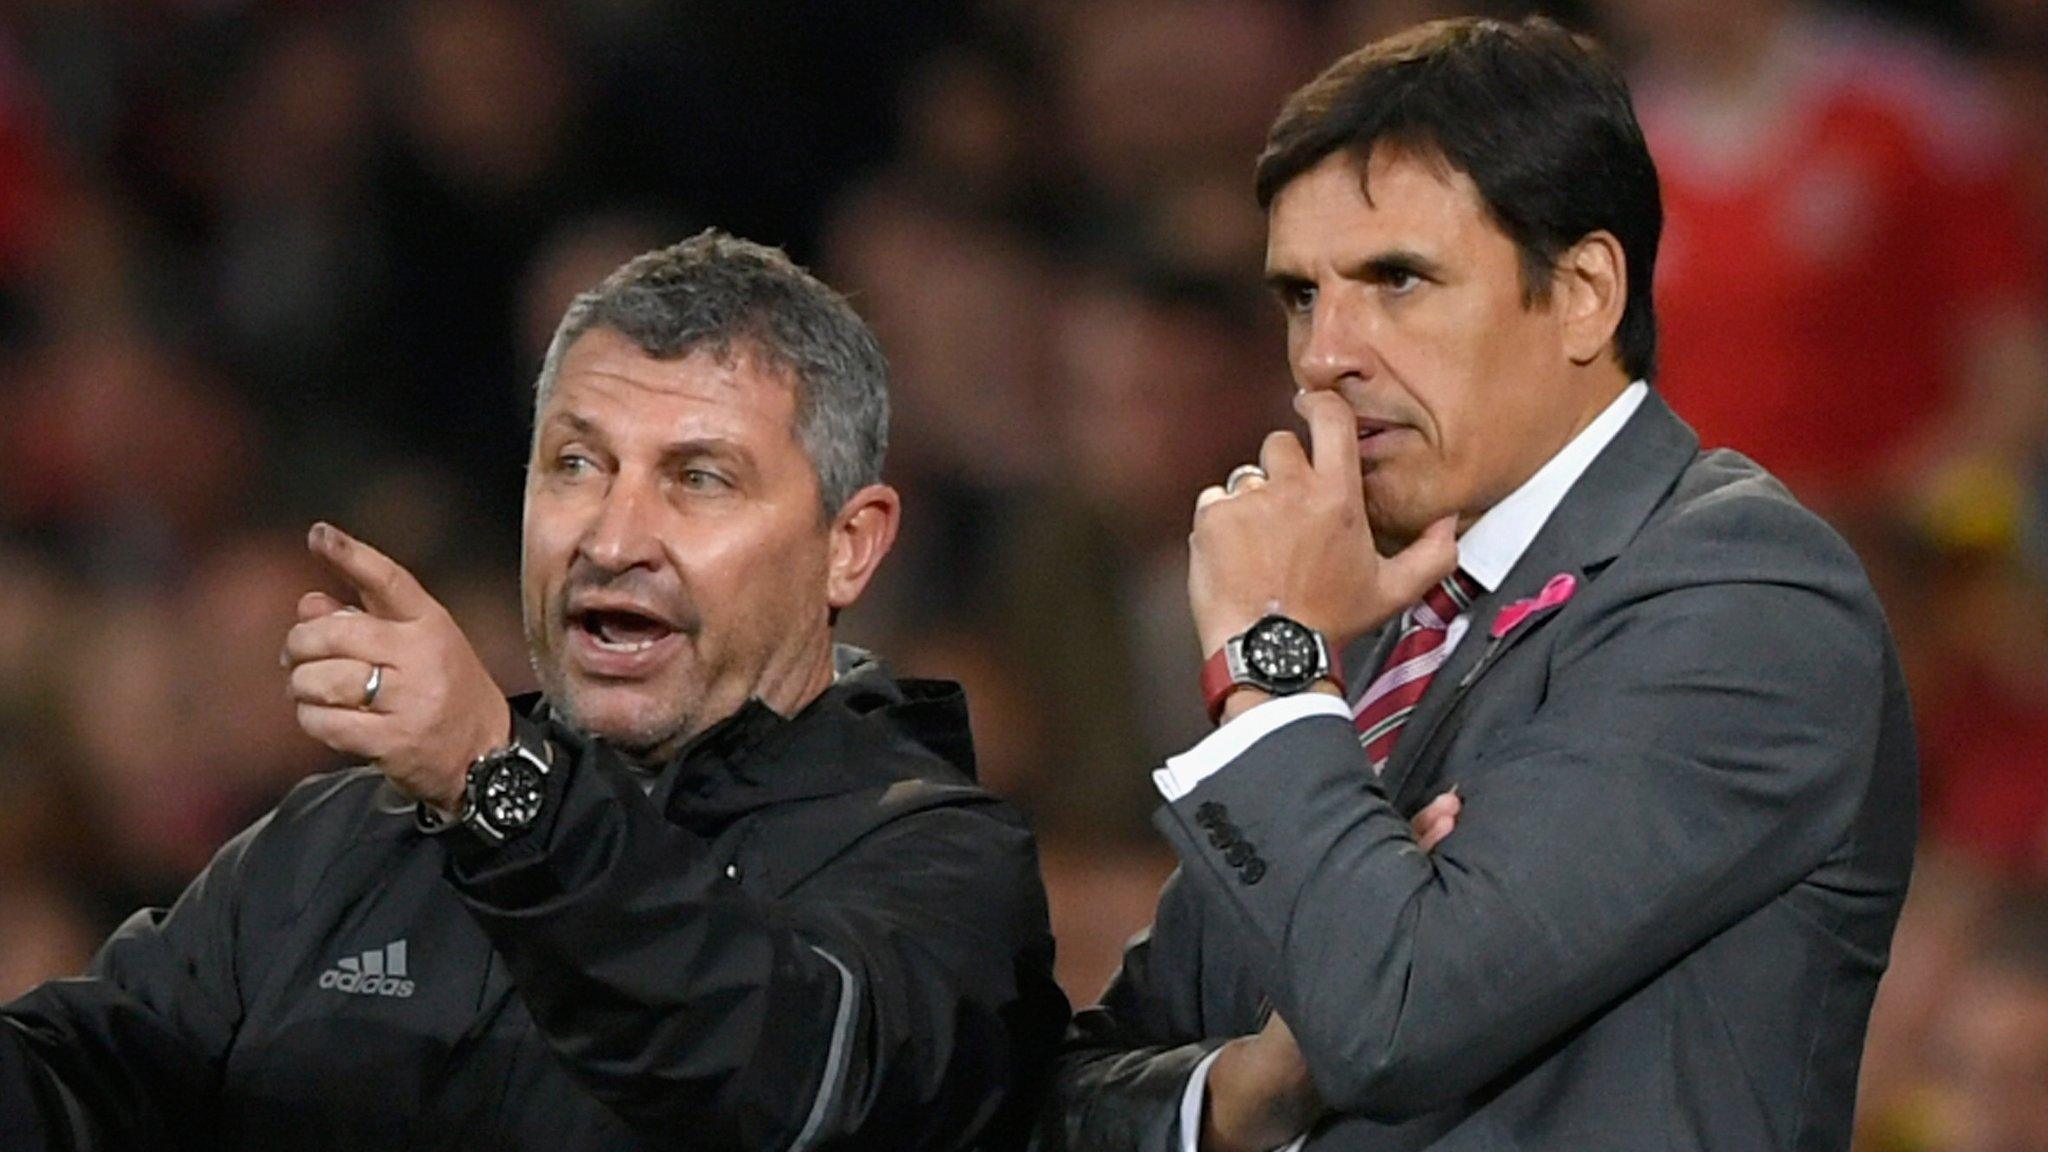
pixel 394 681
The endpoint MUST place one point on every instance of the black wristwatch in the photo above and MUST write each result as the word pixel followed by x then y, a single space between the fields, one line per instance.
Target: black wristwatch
pixel 503 795
pixel 1276 654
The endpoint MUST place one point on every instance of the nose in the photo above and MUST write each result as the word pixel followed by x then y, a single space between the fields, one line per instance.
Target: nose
pixel 1333 346
pixel 625 533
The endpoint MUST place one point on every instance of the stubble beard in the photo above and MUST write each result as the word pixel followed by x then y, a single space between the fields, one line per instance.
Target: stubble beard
pixel 1391 531
pixel 649 743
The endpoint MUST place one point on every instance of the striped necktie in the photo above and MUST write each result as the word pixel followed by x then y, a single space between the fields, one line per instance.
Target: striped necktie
pixel 1420 651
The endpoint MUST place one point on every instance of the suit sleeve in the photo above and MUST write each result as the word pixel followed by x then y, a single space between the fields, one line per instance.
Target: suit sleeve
pixel 1706 739
pixel 130 1055
pixel 904 990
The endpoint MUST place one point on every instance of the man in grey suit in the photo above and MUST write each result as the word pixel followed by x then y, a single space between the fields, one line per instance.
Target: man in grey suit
pixel 1663 690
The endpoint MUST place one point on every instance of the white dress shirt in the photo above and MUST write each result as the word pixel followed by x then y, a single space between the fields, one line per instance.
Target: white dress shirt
pixel 1487 552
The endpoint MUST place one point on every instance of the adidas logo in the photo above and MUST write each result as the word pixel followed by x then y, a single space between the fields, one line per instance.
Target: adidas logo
pixel 378 972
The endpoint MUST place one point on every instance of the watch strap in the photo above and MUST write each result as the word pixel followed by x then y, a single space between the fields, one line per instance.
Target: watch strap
pixel 1218 679
pixel 535 749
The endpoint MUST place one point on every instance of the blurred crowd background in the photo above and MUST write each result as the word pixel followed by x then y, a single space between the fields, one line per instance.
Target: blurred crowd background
pixel 266 261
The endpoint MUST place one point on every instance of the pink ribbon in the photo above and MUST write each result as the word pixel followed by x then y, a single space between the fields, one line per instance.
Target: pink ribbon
pixel 1558 590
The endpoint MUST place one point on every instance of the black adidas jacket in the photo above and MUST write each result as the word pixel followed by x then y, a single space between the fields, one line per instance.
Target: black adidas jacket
pixel 816 933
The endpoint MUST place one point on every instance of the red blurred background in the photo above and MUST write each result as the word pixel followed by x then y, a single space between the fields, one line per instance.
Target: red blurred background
pixel 266 261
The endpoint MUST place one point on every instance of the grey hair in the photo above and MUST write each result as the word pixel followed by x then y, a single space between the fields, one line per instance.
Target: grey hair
pixel 714 291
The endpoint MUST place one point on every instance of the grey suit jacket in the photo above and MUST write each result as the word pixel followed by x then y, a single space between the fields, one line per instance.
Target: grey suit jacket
pixel 1690 799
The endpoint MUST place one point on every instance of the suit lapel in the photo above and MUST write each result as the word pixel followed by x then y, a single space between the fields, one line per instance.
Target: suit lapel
pixel 1601 513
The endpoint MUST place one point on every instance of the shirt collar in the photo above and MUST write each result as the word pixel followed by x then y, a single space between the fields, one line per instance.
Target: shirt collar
pixel 1489 549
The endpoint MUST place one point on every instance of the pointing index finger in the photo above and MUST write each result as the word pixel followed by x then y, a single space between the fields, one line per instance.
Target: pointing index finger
pixel 386 588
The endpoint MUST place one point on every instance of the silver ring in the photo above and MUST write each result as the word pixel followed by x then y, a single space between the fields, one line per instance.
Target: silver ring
pixel 1239 475
pixel 372 686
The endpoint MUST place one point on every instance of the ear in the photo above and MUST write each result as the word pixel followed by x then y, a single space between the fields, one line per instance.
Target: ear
pixel 1592 286
pixel 862 534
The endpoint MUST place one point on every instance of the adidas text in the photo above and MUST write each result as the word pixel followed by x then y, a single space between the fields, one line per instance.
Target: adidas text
pixel 378 972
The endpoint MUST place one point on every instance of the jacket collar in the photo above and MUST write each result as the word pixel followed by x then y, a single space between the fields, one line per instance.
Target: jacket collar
pixel 866 729
pixel 1604 510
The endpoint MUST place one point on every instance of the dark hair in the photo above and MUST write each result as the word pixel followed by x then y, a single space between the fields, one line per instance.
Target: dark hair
pixel 713 291
pixel 1539 119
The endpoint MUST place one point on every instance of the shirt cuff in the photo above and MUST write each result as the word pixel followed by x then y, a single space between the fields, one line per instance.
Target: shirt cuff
pixel 1191 1105
pixel 1187 770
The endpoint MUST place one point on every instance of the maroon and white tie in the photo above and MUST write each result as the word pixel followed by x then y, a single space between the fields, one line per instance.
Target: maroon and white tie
pixel 1420 651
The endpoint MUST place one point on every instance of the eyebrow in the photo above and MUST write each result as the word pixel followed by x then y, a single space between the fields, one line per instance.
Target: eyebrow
pixel 576 424
pixel 694 448
pixel 1279 283
pixel 683 451
pixel 1379 266
pixel 1404 261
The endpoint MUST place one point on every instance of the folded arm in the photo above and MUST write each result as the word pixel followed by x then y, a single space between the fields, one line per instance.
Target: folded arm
pixel 1128 1077
pixel 1702 747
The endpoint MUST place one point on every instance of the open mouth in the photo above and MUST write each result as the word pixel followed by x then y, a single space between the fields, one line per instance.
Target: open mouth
pixel 620 629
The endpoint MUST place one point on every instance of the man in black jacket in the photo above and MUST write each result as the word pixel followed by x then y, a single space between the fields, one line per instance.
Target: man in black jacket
pixel 721 885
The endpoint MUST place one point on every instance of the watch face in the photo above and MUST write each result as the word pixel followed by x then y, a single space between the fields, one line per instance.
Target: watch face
pixel 511 794
pixel 1283 653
